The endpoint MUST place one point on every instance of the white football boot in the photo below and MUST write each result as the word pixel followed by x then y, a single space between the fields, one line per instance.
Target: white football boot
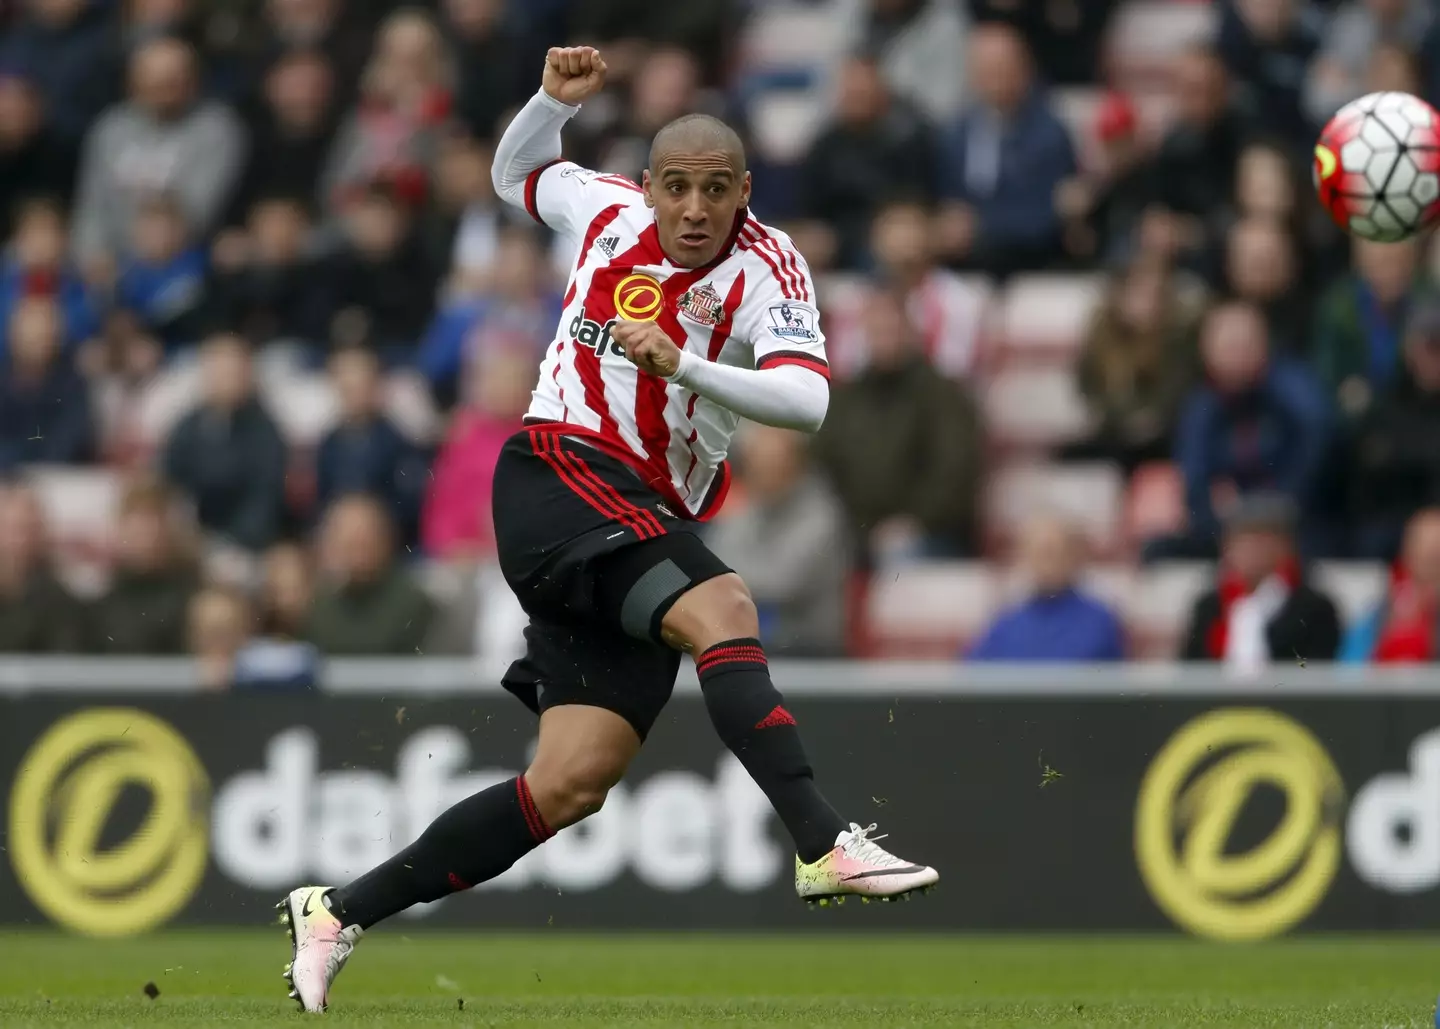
pixel 319 945
pixel 860 867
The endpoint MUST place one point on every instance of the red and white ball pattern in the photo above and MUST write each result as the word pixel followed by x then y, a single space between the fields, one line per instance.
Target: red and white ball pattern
pixel 1377 167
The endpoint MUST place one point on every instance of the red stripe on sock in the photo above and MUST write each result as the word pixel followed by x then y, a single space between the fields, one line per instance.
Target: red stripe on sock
pixel 745 653
pixel 533 819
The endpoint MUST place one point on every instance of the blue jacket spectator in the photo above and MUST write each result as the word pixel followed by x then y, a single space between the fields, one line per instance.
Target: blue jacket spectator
pixel 68 50
pixel 162 278
pixel 365 453
pixel 1002 163
pixel 35 267
pixel 1260 423
pixel 1057 622
pixel 44 404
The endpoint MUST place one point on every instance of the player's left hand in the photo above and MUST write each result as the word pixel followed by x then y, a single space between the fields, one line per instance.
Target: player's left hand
pixel 647 347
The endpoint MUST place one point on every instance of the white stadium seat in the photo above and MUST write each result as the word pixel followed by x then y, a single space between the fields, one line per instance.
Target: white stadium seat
pixel 1161 602
pixel 79 503
pixel 1089 494
pixel 930 609
pixel 1034 407
pixel 1355 586
pixel 1048 312
pixel 1146 35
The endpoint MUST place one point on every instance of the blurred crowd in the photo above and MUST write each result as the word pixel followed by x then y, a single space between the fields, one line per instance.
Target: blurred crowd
pixel 254 272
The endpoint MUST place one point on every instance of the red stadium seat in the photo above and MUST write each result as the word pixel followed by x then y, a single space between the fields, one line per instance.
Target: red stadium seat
pixel 1155 503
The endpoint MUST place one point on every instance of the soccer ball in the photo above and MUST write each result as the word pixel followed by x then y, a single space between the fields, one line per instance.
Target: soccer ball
pixel 1377 167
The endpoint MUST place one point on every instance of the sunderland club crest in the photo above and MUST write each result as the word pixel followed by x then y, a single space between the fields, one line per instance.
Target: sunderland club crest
pixel 702 304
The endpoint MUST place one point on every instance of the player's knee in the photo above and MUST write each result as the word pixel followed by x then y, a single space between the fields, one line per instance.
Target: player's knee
pixel 572 792
pixel 717 610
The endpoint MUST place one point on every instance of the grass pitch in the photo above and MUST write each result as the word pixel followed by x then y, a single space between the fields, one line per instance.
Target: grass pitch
pixel 621 982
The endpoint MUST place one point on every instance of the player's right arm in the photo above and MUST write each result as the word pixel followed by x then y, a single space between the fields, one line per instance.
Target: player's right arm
pixel 528 171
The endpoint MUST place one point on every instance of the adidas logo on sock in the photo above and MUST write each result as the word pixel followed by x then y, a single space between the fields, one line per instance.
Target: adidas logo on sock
pixel 779 716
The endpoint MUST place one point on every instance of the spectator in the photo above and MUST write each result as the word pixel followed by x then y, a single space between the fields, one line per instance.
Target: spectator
pixel 37 613
pixel 516 311
pixel 1267 45
pixel 219 623
pixel 366 604
pixel 948 310
pixel 877 148
pixel 1003 163
pixel 1430 60
pixel 1194 172
pixel 121 366
pixel 902 445
pixel 322 26
pixel 1402 628
pixel 1268 187
pixel 287 590
pixel 161 140
pixel 35 266
pixel 1395 464
pixel 1138 363
pixel 64 46
pixel 1102 206
pixel 385 286
pixel 1066 37
pixel 920 46
pixel 392 136
pixel 1260 423
pixel 1261 268
pixel 1057 621
pixel 1361 320
pixel 162 275
pixel 291 133
pixel 267 285
pixel 787 543
pixel 1261 609
pixel 463 223
pixel 144 609
pixel 456 522
pixel 1394 68
pixel 1339 73
pixel 44 405
pixel 365 453
pixel 707 28
pixel 491 80
pixel 35 161
pixel 227 453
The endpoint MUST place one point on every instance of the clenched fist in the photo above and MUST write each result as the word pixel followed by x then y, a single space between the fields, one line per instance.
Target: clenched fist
pixel 647 347
pixel 573 74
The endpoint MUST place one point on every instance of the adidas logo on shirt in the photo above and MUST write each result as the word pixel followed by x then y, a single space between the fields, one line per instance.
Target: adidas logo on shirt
pixel 607 245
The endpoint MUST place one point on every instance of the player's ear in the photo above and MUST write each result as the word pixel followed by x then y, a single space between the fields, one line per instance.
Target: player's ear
pixel 646 182
pixel 745 190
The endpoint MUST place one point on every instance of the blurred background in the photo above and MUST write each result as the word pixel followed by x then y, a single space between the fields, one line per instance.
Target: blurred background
pixel 1108 384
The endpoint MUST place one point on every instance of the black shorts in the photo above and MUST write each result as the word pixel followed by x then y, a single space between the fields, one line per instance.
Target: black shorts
pixel 596 559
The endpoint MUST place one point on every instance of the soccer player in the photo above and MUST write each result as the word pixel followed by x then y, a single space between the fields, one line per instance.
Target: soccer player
pixel 683 315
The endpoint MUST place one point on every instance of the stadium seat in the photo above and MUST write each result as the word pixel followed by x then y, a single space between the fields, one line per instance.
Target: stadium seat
pixel 1146 35
pixel 1155 503
pixel 409 405
pixel 783 123
pixel 1089 494
pixel 1034 408
pixel 1047 314
pixel 1355 586
pixel 1160 605
pixel 792 36
pixel 303 405
pixel 929 609
pixel 167 400
pixel 81 506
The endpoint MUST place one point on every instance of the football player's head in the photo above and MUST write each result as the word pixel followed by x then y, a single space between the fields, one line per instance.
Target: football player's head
pixel 698 185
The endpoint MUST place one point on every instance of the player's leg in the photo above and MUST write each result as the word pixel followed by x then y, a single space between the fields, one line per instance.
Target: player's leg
pixel 582 752
pixel 716 621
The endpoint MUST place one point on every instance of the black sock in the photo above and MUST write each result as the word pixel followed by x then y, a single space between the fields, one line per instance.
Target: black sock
pixel 475 840
pixel 749 714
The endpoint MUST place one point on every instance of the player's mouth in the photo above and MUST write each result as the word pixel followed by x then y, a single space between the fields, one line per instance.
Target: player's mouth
pixel 693 239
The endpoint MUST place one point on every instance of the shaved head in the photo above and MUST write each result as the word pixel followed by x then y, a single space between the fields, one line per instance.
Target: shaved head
pixel 697 134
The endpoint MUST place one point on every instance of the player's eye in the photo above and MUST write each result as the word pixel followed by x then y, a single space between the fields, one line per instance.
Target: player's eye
pixel 676 188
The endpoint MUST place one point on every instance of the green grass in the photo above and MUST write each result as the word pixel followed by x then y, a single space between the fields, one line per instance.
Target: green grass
pixel 854 981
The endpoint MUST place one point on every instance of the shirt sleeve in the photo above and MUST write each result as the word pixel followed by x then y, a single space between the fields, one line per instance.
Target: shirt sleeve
pixel 778 316
pixel 528 171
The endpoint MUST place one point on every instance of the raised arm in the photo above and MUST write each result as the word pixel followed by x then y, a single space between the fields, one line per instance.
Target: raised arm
pixel 531 143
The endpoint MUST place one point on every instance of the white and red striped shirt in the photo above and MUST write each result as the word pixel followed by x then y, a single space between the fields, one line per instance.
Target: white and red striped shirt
pixel 753 307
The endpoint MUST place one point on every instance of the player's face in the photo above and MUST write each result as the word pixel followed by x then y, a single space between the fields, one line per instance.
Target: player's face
pixel 696 198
